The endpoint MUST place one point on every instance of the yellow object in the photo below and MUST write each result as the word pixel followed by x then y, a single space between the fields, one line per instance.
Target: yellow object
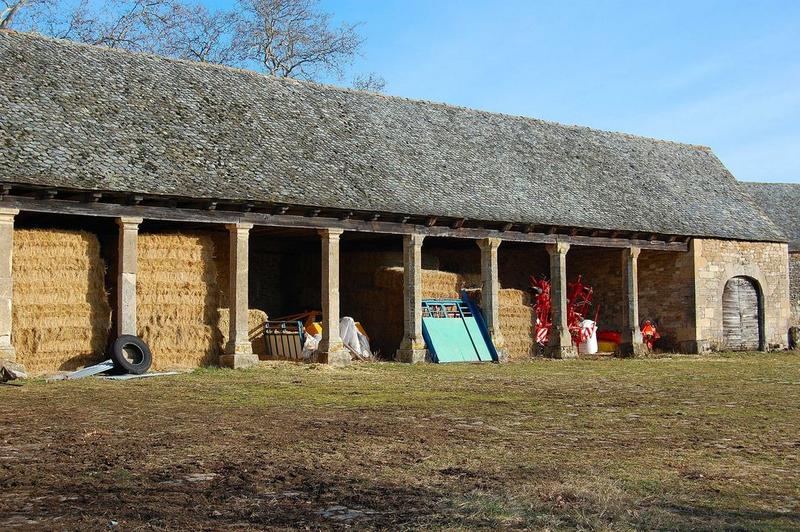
pixel 606 347
pixel 315 328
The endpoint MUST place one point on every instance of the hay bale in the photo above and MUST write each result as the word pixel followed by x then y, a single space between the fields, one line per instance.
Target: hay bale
pixel 435 284
pixel 255 327
pixel 61 316
pixel 517 322
pixel 178 297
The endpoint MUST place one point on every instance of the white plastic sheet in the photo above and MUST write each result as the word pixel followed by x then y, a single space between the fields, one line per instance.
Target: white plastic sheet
pixel 353 339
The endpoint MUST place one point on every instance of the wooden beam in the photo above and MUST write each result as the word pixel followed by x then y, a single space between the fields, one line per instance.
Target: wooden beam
pixel 111 210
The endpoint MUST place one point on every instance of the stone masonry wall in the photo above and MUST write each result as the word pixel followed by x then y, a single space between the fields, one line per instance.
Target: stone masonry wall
pixel 717 261
pixel 666 296
pixel 794 288
pixel 600 268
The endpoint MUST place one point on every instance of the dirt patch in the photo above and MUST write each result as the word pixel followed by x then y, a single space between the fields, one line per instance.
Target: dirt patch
pixel 603 445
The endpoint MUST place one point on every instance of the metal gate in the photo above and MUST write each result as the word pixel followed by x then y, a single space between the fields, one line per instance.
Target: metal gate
pixel 740 315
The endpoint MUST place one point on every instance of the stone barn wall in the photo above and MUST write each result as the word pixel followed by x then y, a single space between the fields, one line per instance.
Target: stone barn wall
pixel 717 261
pixel 794 288
pixel 666 296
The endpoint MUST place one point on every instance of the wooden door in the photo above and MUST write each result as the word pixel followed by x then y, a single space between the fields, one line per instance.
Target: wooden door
pixel 740 319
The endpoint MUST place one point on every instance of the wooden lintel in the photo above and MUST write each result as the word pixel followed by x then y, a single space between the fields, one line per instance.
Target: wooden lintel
pixel 202 216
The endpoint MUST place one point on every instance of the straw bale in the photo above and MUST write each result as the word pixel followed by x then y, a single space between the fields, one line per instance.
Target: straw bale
pixel 178 297
pixel 255 326
pixel 61 315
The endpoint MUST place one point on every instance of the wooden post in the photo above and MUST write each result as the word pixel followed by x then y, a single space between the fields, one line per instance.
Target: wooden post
pixel 412 347
pixel 331 350
pixel 560 344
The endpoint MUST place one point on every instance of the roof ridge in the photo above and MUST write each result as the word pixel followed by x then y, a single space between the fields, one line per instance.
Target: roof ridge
pixel 338 88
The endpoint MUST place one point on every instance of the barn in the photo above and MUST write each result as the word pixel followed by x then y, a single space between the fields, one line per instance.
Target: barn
pixel 186 202
pixel 781 202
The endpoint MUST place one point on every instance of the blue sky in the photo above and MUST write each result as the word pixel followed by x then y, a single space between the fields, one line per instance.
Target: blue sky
pixel 724 74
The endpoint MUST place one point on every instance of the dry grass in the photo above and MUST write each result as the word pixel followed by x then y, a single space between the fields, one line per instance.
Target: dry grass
pixel 61 315
pixel 701 443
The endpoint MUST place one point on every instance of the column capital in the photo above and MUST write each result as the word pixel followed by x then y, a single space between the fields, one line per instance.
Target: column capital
pixel 415 239
pixel 128 221
pixel 489 243
pixel 559 248
pixel 331 232
pixel 239 226
pixel 7 214
pixel 632 252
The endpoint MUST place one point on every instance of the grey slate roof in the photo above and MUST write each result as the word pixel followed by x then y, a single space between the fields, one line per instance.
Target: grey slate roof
pixel 99 119
pixel 781 202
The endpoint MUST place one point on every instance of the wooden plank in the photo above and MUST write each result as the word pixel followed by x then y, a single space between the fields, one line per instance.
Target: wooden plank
pixel 113 210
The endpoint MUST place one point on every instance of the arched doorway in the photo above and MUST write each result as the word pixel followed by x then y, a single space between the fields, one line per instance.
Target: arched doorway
pixel 741 314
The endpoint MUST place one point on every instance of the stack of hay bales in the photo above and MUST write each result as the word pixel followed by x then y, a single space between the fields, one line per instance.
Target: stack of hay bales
pixel 61 315
pixel 517 322
pixel 378 304
pixel 255 326
pixel 178 297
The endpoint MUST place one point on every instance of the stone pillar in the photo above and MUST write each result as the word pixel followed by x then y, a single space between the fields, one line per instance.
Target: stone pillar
pixel 7 351
pixel 126 274
pixel 331 350
pixel 560 344
pixel 490 292
pixel 239 350
pixel 412 347
pixel 632 343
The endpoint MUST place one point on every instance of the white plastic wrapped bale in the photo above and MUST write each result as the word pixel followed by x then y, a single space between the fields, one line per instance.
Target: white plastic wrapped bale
pixel 353 339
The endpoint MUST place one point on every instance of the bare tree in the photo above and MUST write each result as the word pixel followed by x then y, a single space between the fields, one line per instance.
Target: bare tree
pixel 196 34
pixel 288 38
pixel 292 38
pixel 369 82
pixel 12 7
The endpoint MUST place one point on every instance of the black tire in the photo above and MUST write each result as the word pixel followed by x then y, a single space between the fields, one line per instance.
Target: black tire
pixel 131 355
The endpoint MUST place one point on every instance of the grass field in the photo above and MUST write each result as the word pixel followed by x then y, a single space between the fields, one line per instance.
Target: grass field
pixel 696 442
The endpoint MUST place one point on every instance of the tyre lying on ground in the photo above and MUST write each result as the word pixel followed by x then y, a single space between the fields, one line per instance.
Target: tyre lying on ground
pixel 131 355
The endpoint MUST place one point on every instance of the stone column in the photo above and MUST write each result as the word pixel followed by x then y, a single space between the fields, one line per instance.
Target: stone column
pixel 331 350
pixel 7 351
pixel 632 343
pixel 490 292
pixel 560 344
pixel 412 347
pixel 239 350
pixel 126 274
